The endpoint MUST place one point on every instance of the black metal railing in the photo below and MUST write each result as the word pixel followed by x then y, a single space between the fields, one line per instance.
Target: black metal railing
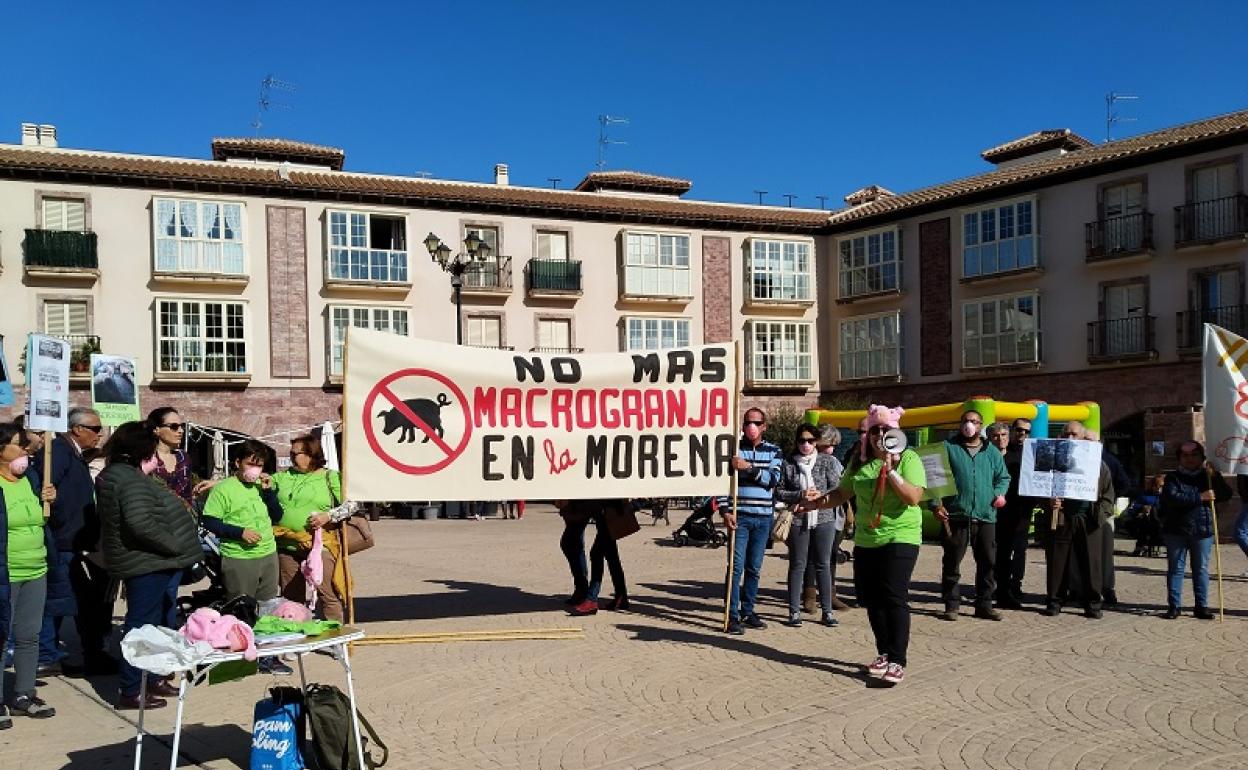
pixel 1191 323
pixel 1209 221
pixel 61 249
pixel 1119 236
pixel 1122 338
pixel 81 346
pixel 563 275
pixel 557 350
pixel 490 347
pixel 493 273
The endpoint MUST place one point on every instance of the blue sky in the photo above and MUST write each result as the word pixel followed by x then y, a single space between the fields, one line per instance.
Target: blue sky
pixel 803 98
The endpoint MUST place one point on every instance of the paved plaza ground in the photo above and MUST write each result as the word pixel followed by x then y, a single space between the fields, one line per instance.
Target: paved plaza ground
pixel 660 687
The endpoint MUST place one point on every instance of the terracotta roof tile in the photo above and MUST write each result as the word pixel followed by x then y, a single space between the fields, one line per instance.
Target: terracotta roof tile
pixel 176 173
pixel 637 181
pixel 266 148
pixel 1039 141
pixel 1085 161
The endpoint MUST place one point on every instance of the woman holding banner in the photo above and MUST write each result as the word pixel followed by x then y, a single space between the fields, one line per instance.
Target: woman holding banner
pixel 888 486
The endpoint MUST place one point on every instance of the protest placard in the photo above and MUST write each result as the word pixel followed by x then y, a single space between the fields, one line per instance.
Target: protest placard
pixel 113 392
pixel 428 421
pixel 6 382
pixel 1060 467
pixel 47 383
pixel 940 481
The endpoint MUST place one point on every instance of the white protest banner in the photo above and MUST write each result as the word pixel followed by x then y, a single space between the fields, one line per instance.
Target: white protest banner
pixel 1060 467
pixel 429 421
pixel 47 383
pixel 113 392
pixel 1226 400
pixel 940 481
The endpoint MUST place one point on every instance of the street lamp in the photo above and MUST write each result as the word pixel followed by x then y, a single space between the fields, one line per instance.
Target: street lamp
pixel 475 250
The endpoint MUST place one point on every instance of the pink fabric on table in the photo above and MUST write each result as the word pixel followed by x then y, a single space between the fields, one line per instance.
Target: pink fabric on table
pixel 221 632
pixel 313 567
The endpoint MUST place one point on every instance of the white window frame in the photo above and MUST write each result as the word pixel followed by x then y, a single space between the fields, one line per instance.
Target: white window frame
pixel 802 361
pixel 64 202
pixel 975 228
pixel 469 321
pixel 537 333
pixel 336 341
pixel 656 265
pixel 61 304
pixel 1004 312
pixel 641 331
pixel 194 254
pixel 877 357
pixel 857 274
pixel 202 339
pixel 397 263
pixel 802 285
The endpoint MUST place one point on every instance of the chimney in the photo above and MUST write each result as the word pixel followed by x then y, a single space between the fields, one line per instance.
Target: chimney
pixel 500 175
pixel 869 194
pixel 36 135
pixel 47 135
pixel 30 134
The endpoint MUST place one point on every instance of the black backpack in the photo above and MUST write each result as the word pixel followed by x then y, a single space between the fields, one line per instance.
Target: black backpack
pixel 328 711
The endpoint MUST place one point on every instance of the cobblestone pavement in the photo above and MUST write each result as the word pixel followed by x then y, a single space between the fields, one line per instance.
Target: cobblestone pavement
pixel 661 687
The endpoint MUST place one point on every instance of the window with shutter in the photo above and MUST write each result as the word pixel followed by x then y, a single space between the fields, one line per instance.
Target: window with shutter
pixel 63 318
pixel 65 214
pixel 554 334
pixel 552 246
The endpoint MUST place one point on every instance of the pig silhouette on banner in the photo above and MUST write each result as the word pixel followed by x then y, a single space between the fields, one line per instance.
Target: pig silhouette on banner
pixel 428 410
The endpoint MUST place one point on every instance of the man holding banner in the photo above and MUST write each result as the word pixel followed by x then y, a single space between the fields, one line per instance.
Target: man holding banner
pixel 758 464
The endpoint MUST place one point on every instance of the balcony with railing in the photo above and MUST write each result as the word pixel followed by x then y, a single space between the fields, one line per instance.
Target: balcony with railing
pixel 1211 221
pixel 488 277
pixel 81 346
pixel 1118 237
pixel 49 253
pixel 557 350
pixel 489 347
pixel 553 278
pixel 1191 324
pixel 1122 339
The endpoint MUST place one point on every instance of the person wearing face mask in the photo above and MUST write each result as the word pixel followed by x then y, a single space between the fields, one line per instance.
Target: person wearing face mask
pixel 149 539
pixel 970 516
pixel 25 546
pixel 1187 509
pixel 306 492
pixel 808 475
pixel 888 488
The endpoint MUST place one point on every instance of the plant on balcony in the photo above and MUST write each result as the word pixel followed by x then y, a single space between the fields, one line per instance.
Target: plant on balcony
pixel 80 359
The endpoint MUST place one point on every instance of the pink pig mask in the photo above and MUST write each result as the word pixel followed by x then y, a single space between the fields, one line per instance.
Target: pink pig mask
pixel 221 632
pixel 878 414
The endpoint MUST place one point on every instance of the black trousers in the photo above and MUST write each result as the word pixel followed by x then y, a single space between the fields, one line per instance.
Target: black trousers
pixel 882 581
pixel 605 550
pixel 92 586
pixel 572 543
pixel 982 538
pixel 1012 554
pixel 1075 545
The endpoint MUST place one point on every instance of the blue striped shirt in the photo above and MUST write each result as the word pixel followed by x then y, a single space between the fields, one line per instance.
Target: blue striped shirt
pixel 756 485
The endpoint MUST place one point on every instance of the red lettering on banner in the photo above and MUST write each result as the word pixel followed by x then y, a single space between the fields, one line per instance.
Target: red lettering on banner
pixel 654 409
pixel 564 462
pixel 609 416
pixel 632 410
pixel 509 407
pixel 529 413
pixel 720 406
pixel 561 406
pixel 586 409
pixel 676 403
pixel 483 403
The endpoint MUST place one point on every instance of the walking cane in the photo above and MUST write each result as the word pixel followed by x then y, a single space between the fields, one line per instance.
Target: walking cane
pixel 732 491
pixel 1217 551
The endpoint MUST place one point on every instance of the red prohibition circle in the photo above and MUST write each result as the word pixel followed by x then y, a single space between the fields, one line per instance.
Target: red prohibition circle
pixel 382 388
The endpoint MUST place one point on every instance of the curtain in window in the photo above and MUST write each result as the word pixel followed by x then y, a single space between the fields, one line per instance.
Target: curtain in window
pixel 233 222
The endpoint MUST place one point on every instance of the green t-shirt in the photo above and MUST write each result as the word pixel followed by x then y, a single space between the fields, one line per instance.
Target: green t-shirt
pixel 303 494
pixel 28 553
pixel 899 523
pixel 240 505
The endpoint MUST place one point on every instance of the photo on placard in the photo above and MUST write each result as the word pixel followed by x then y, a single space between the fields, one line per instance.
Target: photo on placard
pixel 48 409
pixel 112 380
pixel 51 349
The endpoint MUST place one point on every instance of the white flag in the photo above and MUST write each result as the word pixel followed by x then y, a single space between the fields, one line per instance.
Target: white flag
pixel 1226 400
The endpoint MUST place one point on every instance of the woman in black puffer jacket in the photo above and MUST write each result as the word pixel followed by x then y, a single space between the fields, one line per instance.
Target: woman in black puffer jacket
pixel 149 540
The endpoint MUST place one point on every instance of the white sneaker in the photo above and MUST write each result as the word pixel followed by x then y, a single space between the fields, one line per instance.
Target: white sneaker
pixel 896 674
pixel 878 666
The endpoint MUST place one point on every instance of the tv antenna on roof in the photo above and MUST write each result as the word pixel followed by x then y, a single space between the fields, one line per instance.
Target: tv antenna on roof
pixel 1111 115
pixel 266 103
pixel 604 122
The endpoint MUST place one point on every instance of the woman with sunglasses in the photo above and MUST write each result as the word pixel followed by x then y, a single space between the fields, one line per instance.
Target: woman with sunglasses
pixel 174 469
pixel 888 488
pixel 807 475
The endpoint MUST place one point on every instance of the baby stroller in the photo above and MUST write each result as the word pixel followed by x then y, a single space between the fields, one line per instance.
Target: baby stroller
pixel 699 528
pixel 209 568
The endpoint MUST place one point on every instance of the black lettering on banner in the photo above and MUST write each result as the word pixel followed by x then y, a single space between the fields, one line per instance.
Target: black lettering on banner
pixel 533 367
pixel 699 455
pixel 713 369
pixel 646 365
pixel 680 364
pixel 648 455
pixel 488 457
pixel 725 448
pixel 670 457
pixel 622 457
pixel 522 452
pixel 595 456
pixel 565 370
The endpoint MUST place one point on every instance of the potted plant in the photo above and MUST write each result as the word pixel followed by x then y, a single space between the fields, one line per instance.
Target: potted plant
pixel 80 359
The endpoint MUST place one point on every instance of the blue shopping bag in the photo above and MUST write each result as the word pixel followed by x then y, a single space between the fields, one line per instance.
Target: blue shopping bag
pixel 277 733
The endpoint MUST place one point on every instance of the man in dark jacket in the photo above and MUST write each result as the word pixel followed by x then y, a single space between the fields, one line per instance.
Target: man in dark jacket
pixel 76 586
pixel 1075 530
pixel 1013 523
pixel 970 516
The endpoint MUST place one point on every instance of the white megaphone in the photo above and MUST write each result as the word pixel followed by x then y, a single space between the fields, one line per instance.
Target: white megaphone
pixel 894 441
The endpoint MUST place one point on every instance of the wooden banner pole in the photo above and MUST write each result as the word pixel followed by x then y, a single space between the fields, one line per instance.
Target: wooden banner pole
pixel 47 471
pixel 1217 552
pixel 732 490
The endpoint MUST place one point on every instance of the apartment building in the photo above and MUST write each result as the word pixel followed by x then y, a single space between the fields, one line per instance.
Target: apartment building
pixel 1069 272
pixel 233 279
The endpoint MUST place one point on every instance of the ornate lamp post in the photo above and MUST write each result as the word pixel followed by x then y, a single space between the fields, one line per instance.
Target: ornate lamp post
pixel 475 250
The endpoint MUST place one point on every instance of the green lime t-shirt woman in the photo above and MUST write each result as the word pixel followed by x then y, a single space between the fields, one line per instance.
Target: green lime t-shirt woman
pixel 302 494
pixel 898 522
pixel 27 552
